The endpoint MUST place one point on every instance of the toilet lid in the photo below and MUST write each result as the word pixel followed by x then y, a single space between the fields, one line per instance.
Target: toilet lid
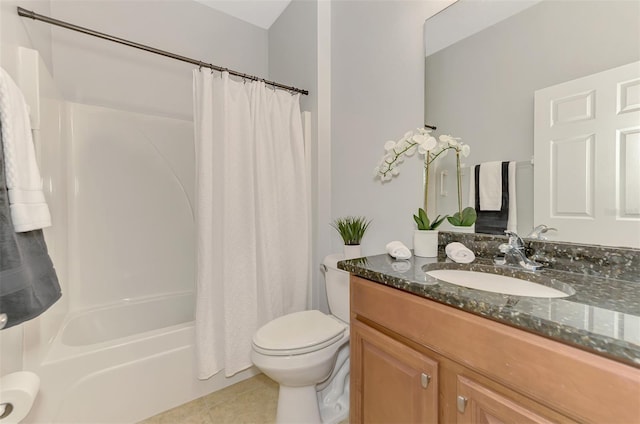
pixel 299 332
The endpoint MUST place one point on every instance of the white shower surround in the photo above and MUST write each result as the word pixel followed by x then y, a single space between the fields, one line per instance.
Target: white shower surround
pixel 131 274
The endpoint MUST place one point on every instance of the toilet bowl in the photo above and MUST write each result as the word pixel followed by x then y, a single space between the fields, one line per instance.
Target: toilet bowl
pixel 307 354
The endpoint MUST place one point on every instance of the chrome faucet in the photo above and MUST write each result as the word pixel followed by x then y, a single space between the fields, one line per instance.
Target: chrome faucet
pixel 514 253
pixel 537 233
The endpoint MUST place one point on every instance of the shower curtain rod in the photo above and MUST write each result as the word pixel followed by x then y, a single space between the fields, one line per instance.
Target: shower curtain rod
pixel 30 14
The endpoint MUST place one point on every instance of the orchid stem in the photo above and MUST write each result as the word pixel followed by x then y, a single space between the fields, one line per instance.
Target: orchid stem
pixel 426 182
pixel 459 178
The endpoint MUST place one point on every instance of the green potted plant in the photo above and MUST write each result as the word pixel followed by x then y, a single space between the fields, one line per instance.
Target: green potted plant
pixel 425 238
pixel 351 230
pixel 464 219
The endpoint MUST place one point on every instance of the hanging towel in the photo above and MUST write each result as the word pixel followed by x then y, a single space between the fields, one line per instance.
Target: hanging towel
pixel 29 210
pixel 28 281
pixel 495 222
pixel 490 186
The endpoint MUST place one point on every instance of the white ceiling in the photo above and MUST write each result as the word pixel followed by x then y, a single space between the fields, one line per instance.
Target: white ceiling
pixel 261 13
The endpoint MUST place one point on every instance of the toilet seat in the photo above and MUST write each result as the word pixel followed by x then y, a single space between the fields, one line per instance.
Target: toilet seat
pixel 298 333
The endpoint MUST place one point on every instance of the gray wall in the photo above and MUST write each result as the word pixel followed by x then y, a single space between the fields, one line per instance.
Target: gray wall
pixel 481 88
pixel 93 71
pixel 293 60
pixel 377 91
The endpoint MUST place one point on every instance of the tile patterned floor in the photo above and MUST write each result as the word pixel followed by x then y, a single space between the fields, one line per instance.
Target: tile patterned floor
pixel 252 401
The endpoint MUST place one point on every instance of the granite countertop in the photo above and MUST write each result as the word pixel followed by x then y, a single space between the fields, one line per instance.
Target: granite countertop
pixel 601 316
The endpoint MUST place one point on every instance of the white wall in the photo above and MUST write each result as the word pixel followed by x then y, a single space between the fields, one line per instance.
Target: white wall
pixel 93 71
pixel 14 32
pixel 377 90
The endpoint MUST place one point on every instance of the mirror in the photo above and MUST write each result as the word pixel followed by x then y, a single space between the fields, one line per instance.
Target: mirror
pixel 480 85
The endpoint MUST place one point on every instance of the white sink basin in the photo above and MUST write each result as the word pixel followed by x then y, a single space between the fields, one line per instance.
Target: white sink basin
pixel 495 283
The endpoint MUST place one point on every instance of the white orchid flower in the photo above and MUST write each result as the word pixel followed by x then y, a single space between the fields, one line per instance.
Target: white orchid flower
pixel 389 145
pixel 451 141
pixel 401 145
pixel 429 144
pixel 421 141
pixel 419 138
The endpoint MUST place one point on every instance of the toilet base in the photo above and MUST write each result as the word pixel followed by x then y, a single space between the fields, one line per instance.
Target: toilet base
pixel 298 405
pixel 333 400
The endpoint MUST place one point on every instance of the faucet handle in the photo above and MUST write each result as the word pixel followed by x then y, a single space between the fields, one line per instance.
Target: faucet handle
pixel 514 239
pixel 537 232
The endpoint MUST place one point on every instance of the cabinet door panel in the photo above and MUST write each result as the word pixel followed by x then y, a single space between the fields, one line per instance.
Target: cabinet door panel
pixel 484 406
pixel 393 383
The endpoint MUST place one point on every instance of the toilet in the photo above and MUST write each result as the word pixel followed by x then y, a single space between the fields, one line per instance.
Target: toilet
pixel 307 354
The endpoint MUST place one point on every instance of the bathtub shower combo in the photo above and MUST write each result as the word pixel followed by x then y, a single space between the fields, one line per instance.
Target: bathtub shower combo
pixel 125 348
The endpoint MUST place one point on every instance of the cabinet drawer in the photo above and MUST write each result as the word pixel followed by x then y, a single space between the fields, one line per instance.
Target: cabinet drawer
pixel 479 404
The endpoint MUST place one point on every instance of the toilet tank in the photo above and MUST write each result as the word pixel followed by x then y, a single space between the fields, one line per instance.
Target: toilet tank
pixel 337 285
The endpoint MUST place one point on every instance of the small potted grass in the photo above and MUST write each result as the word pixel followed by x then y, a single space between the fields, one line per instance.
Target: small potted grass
pixel 351 229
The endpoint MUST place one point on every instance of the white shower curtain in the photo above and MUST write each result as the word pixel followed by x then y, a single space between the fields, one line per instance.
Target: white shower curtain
pixel 252 220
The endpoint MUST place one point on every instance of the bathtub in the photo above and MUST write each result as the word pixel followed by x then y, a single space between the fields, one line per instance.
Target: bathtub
pixel 122 363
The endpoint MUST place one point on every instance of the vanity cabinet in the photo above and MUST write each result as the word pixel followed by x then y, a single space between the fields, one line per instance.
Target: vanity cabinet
pixel 394 382
pixel 414 360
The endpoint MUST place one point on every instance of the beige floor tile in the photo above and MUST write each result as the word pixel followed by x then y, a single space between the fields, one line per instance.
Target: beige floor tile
pixel 253 406
pixel 260 381
pixel 252 401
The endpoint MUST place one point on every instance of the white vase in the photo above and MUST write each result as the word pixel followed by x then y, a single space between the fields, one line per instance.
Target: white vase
pixel 461 229
pixel 352 251
pixel 425 243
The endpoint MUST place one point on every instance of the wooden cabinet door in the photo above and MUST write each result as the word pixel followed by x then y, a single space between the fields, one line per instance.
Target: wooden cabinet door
pixel 390 382
pixel 478 404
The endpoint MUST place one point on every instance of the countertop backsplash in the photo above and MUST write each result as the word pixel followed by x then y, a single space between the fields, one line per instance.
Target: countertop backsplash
pixel 599 261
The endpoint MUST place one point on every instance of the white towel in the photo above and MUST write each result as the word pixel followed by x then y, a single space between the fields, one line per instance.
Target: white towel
pixel 29 210
pixel 512 220
pixel 512 223
pixel 490 186
pixel 459 253
pixel 398 250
